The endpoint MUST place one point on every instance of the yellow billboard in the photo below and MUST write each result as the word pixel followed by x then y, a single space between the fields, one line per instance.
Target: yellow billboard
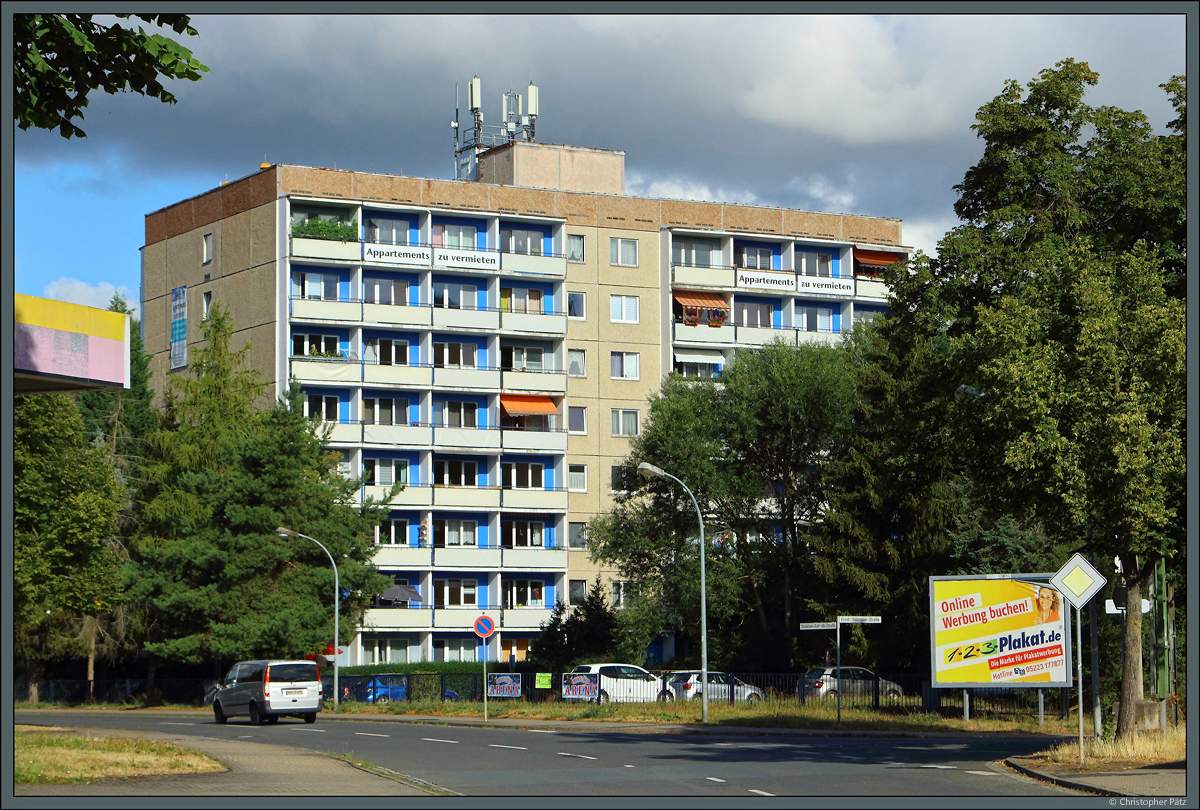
pixel 998 631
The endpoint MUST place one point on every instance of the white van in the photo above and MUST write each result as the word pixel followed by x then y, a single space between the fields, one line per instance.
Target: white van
pixel 268 690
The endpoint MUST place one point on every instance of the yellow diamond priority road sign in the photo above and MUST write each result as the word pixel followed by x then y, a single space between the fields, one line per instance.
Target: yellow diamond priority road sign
pixel 1078 581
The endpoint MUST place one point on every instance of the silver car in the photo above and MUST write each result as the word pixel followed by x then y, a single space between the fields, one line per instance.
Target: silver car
pixel 722 687
pixel 268 690
pixel 825 682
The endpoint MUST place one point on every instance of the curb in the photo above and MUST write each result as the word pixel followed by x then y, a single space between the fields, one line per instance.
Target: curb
pixel 1016 764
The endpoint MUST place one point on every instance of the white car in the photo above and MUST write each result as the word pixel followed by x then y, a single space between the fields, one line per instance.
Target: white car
pixel 268 690
pixel 623 683
pixel 722 687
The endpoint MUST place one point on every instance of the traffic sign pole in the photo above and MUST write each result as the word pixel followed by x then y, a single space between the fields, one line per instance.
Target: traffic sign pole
pixel 484 627
pixel 1078 582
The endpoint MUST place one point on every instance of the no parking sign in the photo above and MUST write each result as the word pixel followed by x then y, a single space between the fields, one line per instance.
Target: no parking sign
pixel 484 626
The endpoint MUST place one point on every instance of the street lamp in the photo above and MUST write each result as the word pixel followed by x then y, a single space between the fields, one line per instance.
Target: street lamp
pixel 648 471
pixel 337 594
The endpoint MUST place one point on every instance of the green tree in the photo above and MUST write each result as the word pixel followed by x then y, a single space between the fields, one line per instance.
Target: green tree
pixel 65 502
pixel 59 58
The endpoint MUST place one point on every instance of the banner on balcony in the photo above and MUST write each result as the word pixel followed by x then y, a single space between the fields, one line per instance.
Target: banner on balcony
pixel 1011 630
pixel 824 285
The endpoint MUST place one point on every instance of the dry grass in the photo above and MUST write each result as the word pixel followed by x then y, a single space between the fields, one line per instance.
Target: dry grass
pixel 42 756
pixel 1146 748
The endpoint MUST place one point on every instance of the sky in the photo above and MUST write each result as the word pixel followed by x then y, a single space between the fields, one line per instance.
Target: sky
pixel 861 114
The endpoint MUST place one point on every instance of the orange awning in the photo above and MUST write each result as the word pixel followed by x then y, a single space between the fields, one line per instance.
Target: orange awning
pixel 701 300
pixel 516 405
pixel 877 258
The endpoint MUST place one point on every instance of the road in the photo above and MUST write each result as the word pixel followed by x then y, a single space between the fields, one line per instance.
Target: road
pixel 523 762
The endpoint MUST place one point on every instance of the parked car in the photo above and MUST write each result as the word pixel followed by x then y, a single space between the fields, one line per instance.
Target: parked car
pixel 686 685
pixel 623 683
pixel 383 689
pixel 268 690
pixel 825 682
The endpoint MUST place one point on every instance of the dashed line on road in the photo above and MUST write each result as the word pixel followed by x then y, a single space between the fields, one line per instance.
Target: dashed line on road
pixel 369 734
pixel 714 779
pixel 317 730
pixel 580 756
pixel 942 767
pixel 515 747
pixel 984 773
pixel 176 724
pixel 435 739
pixel 761 792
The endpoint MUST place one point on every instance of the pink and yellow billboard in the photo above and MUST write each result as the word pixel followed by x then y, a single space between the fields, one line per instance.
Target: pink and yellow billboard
pixel 998 631
pixel 67 347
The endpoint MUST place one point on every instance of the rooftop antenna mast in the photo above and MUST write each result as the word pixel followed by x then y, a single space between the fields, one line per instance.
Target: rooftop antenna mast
pixel 517 122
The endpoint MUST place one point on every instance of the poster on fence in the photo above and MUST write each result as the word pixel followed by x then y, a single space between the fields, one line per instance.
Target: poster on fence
pixel 999 631
pixel 504 685
pixel 580 685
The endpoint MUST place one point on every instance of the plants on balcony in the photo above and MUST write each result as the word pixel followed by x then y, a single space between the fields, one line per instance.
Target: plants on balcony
pixel 716 320
pixel 313 351
pixel 691 320
pixel 340 231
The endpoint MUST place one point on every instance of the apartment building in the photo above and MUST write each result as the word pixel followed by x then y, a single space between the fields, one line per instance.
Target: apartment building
pixel 492 344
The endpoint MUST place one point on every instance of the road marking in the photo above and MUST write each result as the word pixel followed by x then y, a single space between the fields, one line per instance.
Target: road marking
pixel 628 766
pixel 176 724
pixel 369 734
pixel 942 767
pixel 580 756
pixel 245 736
pixel 542 731
pixel 516 747
pixel 434 739
pixel 714 779
pixel 761 792
pixel 984 773
pixel 297 728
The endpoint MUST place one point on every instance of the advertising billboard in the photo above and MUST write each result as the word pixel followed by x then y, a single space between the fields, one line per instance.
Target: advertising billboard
pixel 1010 630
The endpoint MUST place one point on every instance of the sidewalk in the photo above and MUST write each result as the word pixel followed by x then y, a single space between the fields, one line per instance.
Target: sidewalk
pixel 263 769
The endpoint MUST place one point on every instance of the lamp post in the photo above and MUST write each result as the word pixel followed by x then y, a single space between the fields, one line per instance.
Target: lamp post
pixel 337 594
pixel 647 471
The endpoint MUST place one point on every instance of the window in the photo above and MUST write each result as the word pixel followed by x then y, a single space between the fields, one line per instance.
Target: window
pixel 385 411
pixel 754 313
pixel 576 419
pixel 577 477
pixel 314 345
pixel 818 319
pixel 520 299
pixel 455 414
pixel 623 252
pixel 576 591
pixel 456 649
pixel 521 533
pixel 385 351
pixel 208 248
pixel 523 593
pixel 575 304
pixel 520 475
pixel 453 533
pixel 392 533
pixel 623 479
pixel 454 592
pixel 574 247
pixel 693 254
pixel 318 286
pixel 343 464
pixel 696 369
pixel 817 264
pixel 515 240
pixel 454 355
pixel 623 308
pixel 529 421
pixel 321 407
pixel 576 363
pixel 461 237
pixel 207 305
pixel 622 592
pixel 754 258
pixel 577 535
pixel 624 422
pixel 518 358
pixel 385 471
pixel 453 295
pixel 623 365
pixel 385 291
pixel 865 315
pixel 454 474
pixel 387 231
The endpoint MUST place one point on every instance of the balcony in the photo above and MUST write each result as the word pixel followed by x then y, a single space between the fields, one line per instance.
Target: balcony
pixel 411 435
pixel 535 500
pixel 538 441
pixel 467 377
pixel 826 338
pixel 684 275
pixel 758 335
pixel 553 382
pixel 704 333
pixel 444 318
pixel 398 618
pixel 467 497
pixel 458 438
pixel 871 289
pixel 456 618
pixel 342 432
pixel 411 495
pixel 317 309
pixel 771 280
pixel 397 255
pixel 554 559
pixel 396 314
pixel 458 259
pixel 836 286
pixel 526 618
pixel 466 557
pixel 403 557
pixel 325 370
pixel 411 376
pixel 533 323
pixel 308 248
pixel 550 266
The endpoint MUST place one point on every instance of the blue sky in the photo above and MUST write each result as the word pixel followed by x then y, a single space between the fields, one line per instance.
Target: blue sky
pixel 849 113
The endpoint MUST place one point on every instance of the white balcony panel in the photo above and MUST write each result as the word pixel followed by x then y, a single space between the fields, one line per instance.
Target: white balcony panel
pixel 869 289
pixel 538 500
pixel 529 618
pixel 412 435
pixel 541 441
pixel 827 338
pixel 466 557
pixel 473 438
pixel 703 333
pixel 409 496
pixel 542 265
pixel 410 255
pixel 326 371
pixel 543 559
pixel 533 323
pixel 703 276
pixel 342 432
pixel 444 318
pixel 455 618
pixel 469 497
pixel 547 381
pixel 395 314
pixel 398 618
pixel 757 336
pixel 314 309
pixel 466 259
pixel 409 376
pixel 466 377
pixel 402 557
pixel 305 248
